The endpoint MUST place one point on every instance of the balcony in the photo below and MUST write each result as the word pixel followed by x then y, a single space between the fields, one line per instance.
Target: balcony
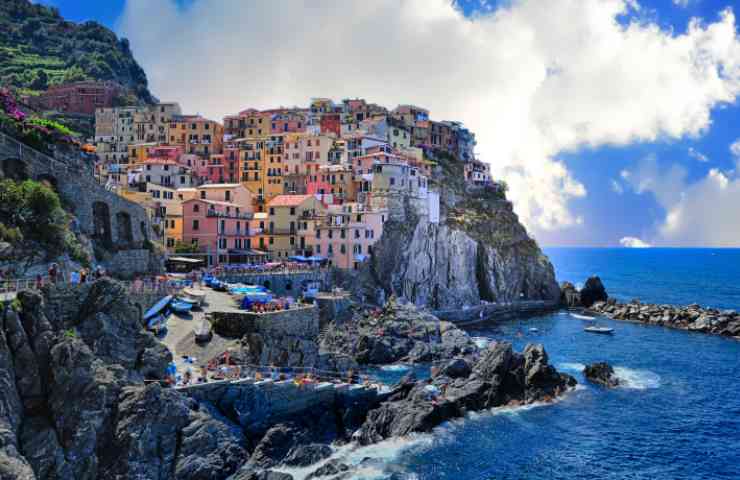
pixel 242 216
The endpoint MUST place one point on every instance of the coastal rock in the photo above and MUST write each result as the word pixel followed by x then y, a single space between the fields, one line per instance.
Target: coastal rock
pixel 593 291
pixel 276 444
pixel 305 455
pixel 456 368
pixel 479 251
pixel 601 373
pixel 330 468
pixel 250 473
pixel 499 377
pixel 570 297
pixel 211 446
pixel 147 433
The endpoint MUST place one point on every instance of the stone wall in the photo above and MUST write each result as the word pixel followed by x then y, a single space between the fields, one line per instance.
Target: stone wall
pixel 73 179
pixel 333 308
pixel 258 406
pixel 299 322
pixel 129 263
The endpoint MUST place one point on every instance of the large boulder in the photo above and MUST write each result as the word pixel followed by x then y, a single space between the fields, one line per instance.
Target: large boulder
pixel 601 373
pixel 570 297
pixel 593 291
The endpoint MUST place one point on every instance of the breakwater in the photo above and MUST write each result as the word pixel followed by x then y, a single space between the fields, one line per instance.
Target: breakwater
pixel 691 317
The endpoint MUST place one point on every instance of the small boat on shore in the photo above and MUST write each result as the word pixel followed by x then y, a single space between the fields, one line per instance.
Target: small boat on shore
pixel 178 306
pixel 157 323
pixel 157 308
pixel 195 294
pixel 601 330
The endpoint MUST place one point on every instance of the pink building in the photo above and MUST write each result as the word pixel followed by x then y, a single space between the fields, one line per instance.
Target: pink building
pixel 347 234
pixel 165 152
pixel 218 229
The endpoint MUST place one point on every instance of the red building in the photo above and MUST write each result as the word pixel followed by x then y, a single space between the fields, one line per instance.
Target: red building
pixel 330 122
pixel 78 97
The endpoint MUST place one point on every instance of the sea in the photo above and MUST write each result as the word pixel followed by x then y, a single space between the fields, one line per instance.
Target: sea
pixel 676 415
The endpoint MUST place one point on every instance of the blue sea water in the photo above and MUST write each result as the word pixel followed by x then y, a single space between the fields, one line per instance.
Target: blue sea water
pixel 677 415
pixel 708 276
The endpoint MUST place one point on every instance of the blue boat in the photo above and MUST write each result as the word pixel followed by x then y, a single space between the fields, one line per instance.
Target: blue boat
pixel 158 308
pixel 178 306
pixel 157 323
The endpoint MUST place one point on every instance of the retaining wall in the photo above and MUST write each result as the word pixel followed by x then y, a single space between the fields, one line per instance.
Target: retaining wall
pixel 300 322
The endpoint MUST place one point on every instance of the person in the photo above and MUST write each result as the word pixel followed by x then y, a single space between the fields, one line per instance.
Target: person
pixel 83 275
pixel 188 377
pixel 53 273
pixel 74 277
pixel 274 374
pixel 171 370
pixel 203 374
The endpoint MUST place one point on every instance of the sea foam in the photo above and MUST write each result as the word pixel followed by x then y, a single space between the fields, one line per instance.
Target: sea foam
pixel 395 368
pixel 637 379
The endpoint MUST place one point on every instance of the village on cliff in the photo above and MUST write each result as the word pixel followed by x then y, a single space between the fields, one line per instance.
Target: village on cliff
pixel 314 182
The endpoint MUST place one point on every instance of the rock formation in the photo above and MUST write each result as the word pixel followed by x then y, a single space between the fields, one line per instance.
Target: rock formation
pixel 397 332
pixel 593 291
pixel 499 377
pixel 601 373
pixel 477 252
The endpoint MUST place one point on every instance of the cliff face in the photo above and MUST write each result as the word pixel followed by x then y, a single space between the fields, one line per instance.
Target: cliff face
pixel 478 251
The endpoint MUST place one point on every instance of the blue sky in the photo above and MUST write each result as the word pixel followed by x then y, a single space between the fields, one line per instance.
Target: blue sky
pixel 617 203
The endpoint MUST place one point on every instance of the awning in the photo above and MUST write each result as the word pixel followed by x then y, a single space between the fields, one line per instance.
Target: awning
pixel 185 260
pixel 298 258
pixel 316 258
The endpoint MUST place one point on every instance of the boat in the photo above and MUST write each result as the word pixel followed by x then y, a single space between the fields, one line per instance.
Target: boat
pixel 157 323
pixel 534 329
pixel 602 330
pixel 158 308
pixel 194 294
pixel 178 306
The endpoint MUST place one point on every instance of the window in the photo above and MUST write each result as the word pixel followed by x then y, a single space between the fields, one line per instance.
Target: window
pixel 292 240
pixel 318 233
pixel 318 249
pixel 331 233
pixel 393 181
pixel 227 196
pixel 272 240
pixel 357 234
pixel 272 210
pixel 196 225
pixel 196 208
pixel 203 194
pixel 292 210
pixel 342 233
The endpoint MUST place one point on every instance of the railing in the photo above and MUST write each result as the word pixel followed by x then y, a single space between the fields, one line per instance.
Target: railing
pixel 143 286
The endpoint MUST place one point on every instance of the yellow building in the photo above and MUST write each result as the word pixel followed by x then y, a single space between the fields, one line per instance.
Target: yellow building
pixel 291 222
pixel 198 135
pixel 262 168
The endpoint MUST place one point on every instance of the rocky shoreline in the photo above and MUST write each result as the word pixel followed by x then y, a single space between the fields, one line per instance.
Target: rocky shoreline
pixel 86 343
pixel 692 317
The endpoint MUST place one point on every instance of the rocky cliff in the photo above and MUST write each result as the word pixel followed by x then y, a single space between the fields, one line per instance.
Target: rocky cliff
pixel 478 251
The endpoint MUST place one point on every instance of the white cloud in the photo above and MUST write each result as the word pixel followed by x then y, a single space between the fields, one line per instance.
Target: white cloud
pixel 701 213
pixel 532 79
pixel 697 155
pixel 617 187
pixel 682 3
pixel 633 242
pixel 735 148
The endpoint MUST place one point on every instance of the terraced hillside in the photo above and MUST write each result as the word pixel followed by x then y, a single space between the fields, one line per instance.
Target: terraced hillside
pixel 39 48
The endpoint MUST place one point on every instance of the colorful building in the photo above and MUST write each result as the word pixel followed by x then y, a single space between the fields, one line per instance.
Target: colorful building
pixel 290 224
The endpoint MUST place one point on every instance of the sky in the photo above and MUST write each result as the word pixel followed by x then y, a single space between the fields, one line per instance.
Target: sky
pixel 614 122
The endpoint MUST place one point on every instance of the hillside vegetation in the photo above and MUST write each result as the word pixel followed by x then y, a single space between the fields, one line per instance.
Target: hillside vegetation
pixel 38 48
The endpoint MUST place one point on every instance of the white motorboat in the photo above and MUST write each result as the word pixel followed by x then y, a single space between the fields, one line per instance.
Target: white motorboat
pixel 601 330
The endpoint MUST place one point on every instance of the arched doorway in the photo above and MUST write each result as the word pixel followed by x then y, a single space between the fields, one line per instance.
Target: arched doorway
pixel 101 223
pixel 124 232
pixel 14 169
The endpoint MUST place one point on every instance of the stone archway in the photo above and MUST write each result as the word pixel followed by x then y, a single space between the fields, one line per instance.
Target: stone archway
pixel 101 223
pixel 124 232
pixel 14 169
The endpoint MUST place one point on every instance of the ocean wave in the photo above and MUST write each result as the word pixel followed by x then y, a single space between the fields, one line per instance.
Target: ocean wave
pixel 395 368
pixel 637 379
pixel 571 367
pixel 383 457
pixel 582 317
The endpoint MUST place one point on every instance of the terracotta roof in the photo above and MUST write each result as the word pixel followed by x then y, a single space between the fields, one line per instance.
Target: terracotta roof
pixel 288 200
